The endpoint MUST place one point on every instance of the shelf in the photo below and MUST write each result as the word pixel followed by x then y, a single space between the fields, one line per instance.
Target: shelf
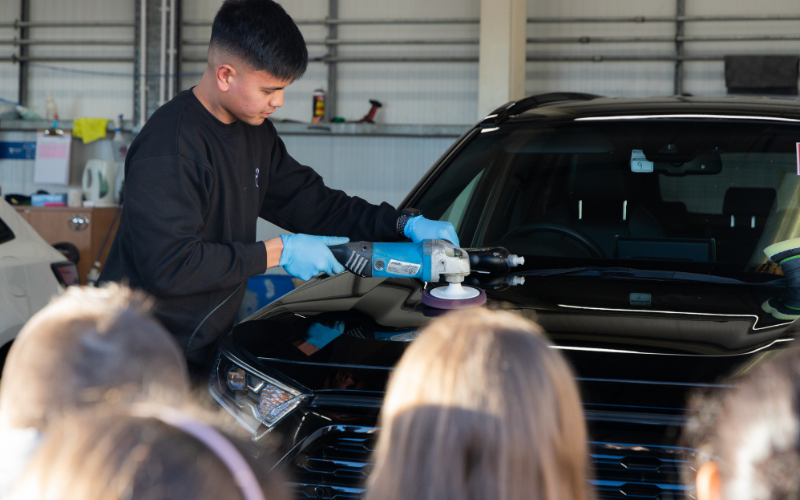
pixel 286 128
pixel 33 125
pixel 373 129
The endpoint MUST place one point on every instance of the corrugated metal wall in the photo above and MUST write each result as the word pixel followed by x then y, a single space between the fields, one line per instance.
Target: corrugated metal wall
pixel 76 89
pixel 708 78
pixel 441 93
pixel 384 168
pixel 8 71
pixel 374 168
pixel 639 79
pixel 411 93
pixel 642 79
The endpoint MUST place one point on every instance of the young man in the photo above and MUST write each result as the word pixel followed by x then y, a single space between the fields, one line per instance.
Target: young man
pixel 208 164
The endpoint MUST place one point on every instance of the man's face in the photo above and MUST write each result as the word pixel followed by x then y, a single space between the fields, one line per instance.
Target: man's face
pixel 253 95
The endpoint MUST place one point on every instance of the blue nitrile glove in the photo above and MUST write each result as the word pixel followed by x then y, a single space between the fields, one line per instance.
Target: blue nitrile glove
pixel 320 335
pixel 419 228
pixel 305 256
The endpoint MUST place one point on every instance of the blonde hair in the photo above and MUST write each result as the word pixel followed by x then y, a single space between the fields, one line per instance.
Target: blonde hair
pixel 111 455
pixel 87 346
pixel 480 407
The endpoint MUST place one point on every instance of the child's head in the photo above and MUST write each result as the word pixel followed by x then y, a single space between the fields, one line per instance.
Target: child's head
pixel 256 50
pixel 753 446
pixel 146 453
pixel 480 406
pixel 88 346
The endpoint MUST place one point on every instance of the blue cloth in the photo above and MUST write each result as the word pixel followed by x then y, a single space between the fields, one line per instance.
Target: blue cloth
pixel 320 335
pixel 419 228
pixel 305 256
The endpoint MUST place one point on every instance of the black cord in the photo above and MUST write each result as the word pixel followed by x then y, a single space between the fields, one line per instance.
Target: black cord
pixel 108 234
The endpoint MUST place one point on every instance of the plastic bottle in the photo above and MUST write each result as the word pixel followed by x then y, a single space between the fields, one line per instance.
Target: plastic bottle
pixel 94 274
pixel 118 143
pixel 318 110
pixel 51 110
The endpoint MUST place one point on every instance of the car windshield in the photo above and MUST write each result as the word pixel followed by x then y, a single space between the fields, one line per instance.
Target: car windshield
pixel 694 196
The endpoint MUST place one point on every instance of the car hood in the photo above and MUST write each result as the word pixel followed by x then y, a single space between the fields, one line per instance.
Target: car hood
pixel 609 328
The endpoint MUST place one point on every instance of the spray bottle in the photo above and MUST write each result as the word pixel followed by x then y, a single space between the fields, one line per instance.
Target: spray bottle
pixel 118 143
pixel 318 103
pixel 51 110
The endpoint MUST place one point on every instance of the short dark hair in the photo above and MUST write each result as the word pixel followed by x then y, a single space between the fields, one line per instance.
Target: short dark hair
pixel 261 34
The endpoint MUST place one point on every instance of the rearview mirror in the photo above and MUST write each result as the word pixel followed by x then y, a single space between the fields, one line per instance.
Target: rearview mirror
pixel 702 164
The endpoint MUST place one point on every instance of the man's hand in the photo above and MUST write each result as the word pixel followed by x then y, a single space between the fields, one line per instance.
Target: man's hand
pixel 419 228
pixel 305 256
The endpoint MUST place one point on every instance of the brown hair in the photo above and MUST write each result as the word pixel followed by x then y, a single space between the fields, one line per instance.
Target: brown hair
pixel 89 345
pixel 754 438
pixel 111 455
pixel 480 407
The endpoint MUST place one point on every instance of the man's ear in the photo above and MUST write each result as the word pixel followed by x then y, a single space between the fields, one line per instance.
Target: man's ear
pixel 225 74
pixel 708 482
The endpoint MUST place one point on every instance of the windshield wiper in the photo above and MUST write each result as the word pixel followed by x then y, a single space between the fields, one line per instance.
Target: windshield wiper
pixel 626 272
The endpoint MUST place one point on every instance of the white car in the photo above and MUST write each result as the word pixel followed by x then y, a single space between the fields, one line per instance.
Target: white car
pixel 31 273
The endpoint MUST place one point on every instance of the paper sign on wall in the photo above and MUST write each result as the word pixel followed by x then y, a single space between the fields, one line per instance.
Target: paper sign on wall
pixel 51 165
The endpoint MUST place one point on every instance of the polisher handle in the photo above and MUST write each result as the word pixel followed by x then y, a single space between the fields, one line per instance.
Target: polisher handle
pixel 493 260
pixel 355 256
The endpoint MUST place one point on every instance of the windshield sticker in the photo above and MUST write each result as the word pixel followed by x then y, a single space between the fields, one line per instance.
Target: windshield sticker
pixel 639 162
pixel 404 268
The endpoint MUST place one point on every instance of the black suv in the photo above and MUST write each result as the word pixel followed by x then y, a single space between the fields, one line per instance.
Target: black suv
pixel 642 223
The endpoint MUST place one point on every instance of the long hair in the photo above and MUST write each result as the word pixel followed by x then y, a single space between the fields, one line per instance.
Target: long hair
pixel 108 454
pixel 89 346
pixel 480 407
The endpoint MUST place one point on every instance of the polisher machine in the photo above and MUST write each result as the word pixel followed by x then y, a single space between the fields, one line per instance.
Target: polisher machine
pixel 429 261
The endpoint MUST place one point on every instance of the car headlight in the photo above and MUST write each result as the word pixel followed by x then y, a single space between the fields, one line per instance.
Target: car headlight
pixel 253 398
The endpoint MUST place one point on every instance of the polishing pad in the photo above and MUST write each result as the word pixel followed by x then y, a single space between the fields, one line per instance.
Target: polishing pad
pixel 453 296
pixel 783 250
pixel 780 310
pixel 454 291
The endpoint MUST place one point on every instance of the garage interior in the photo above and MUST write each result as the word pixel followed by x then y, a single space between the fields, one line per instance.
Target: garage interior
pixel 671 261
pixel 436 68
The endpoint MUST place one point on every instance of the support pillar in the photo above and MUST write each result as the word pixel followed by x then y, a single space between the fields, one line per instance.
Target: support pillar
pixel 680 11
pixel 148 58
pixel 22 85
pixel 152 59
pixel 331 101
pixel 501 72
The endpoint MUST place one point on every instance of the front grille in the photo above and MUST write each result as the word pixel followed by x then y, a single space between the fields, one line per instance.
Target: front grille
pixel 335 462
pixel 638 471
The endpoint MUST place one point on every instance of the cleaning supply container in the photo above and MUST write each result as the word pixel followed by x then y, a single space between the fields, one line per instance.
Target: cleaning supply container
pixel 99 177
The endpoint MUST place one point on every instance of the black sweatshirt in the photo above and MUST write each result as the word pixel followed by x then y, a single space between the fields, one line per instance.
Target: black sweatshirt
pixel 194 188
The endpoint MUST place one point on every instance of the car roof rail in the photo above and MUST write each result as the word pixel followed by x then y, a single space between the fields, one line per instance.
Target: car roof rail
pixel 514 108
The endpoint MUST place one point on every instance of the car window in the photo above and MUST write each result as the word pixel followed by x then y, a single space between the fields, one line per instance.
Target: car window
pixel 455 212
pixel 696 196
pixel 6 234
